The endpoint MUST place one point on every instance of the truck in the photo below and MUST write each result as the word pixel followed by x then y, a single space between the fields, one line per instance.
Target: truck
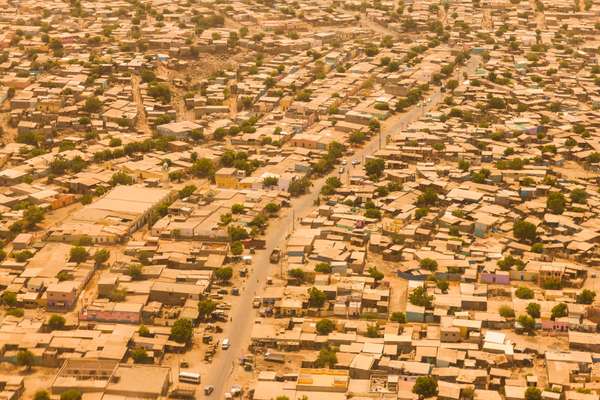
pixel 275 256
pixel 275 357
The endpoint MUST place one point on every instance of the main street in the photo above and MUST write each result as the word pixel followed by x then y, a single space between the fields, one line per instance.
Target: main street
pixel 243 315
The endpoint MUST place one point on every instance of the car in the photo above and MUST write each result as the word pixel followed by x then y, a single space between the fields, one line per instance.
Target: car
pixel 208 390
pixel 341 170
pixel 344 162
pixel 225 344
pixel 355 162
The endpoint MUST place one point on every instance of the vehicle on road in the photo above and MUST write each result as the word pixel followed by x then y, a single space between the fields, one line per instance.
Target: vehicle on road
pixel 341 170
pixel 355 162
pixel 226 343
pixel 235 291
pixel 208 390
pixel 275 255
pixel 344 162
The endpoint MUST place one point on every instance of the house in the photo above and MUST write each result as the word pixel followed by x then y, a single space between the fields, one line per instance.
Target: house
pixel 179 130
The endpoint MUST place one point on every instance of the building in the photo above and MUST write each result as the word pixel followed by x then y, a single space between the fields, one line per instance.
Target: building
pixel 113 217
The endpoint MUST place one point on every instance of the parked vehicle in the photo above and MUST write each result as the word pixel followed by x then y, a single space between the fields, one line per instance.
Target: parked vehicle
pixel 189 377
pixel 275 256
pixel 208 390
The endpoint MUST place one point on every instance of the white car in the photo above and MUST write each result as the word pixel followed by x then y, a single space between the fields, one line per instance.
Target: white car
pixel 344 162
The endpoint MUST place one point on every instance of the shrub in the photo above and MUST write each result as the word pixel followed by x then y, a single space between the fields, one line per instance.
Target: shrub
pixel 398 317
pixel 506 311
pixel 523 292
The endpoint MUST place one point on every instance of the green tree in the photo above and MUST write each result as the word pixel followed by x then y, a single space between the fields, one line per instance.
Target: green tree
pixel 506 311
pixel 56 322
pixel 78 254
pixel 92 105
pixel 237 248
pixel 428 264
pixel 41 395
pixel 399 317
pixel 139 356
pixel 323 268
pixel 558 311
pixel 326 358
pixel 182 330
pixel 101 256
pixel 135 271
pixel 372 331
pixel 428 198
pixel 524 292
pixel 206 307
pixel 22 256
pixel 224 274
pixel 297 274
pixel 533 309
pixel 270 181
pixel 524 231
pixel 237 208
pixel 556 202
pixel 9 298
pixel 32 216
pixel 419 297
pixel 443 285
pixel 373 213
pixel 70 394
pixel 325 326
pixel 25 358
pixel 299 187
pixel 374 167
pixel 586 296
pixel 147 75
pixel 533 393
pixel 272 208
pixel 421 212
pixel 425 386
pixel 579 196
pixel 203 168
pixel 237 233
pixel 176 176
pixel 526 322
pixel 121 178
pixel 375 274
pixel 144 331
pixel 187 191
pixel 316 298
